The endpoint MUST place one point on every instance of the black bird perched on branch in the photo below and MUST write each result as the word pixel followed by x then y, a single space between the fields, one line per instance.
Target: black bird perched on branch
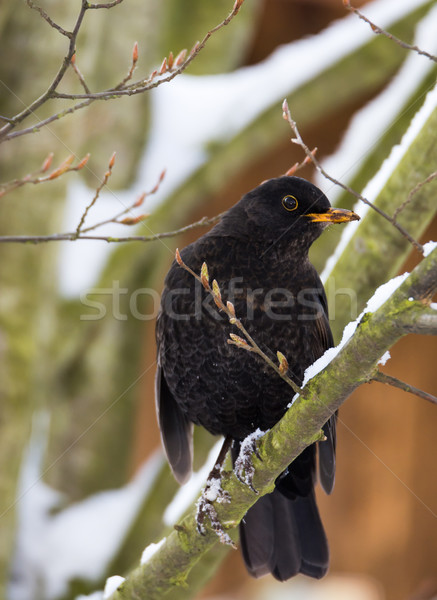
pixel 258 254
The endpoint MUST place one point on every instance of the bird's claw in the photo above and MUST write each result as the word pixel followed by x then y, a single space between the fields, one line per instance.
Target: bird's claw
pixel 213 492
pixel 243 468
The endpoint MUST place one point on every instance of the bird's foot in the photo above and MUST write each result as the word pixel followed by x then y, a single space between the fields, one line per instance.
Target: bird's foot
pixel 213 492
pixel 243 467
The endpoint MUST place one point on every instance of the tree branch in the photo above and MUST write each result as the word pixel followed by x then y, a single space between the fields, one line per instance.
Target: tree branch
pixel 355 363
pixel 401 385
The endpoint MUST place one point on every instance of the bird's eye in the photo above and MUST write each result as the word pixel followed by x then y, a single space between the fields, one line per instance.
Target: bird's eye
pixel 289 203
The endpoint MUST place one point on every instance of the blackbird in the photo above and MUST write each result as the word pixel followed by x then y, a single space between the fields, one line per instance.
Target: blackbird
pixel 258 253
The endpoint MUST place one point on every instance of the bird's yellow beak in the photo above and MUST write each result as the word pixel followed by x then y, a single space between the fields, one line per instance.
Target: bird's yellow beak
pixel 333 215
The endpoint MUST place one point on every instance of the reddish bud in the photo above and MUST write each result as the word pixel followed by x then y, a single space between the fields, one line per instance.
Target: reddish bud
pixel 231 308
pixel 112 160
pixel 133 220
pixel 237 6
pixel 163 67
pixel 65 166
pixel 204 275
pixel 178 257
pixel 170 60
pixel 73 59
pixel 238 341
pixel 283 363
pixel 153 74
pixel 139 201
pixel 180 58
pixel 83 162
pixel 47 163
pixel 161 177
pixel 135 53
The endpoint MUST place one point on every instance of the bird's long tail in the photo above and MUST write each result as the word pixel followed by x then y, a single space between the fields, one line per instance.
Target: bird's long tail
pixel 284 537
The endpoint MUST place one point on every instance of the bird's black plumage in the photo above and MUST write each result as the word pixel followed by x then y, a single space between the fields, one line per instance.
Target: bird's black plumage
pixel 258 254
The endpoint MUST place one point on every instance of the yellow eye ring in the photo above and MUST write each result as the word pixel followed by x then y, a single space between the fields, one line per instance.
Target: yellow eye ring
pixel 289 203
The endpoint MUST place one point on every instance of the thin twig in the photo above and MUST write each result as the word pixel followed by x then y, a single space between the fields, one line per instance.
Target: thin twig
pixel 30 110
pixel 250 345
pixel 130 73
pixel 299 141
pixel 79 74
pixel 406 387
pixel 72 237
pixel 380 31
pixel 413 192
pixel 50 21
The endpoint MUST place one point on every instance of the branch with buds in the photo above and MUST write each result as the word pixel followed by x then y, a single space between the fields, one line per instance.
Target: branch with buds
pixel 40 176
pixel 247 342
pixel 170 67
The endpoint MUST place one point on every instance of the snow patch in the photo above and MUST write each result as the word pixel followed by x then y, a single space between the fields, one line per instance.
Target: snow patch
pixel 381 295
pixel 150 550
pixel 76 542
pixel 112 585
pixel 384 358
pixel 428 248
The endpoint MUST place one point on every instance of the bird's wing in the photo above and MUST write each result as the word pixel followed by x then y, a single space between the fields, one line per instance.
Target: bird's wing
pixel 176 430
pixel 326 448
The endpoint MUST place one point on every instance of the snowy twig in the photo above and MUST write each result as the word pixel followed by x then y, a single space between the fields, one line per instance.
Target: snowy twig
pixel 169 69
pixel 248 343
pixel 311 155
pixel 401 385
pixel 379 31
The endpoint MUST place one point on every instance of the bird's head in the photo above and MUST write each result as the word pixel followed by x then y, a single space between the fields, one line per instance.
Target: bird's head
pixel 287 209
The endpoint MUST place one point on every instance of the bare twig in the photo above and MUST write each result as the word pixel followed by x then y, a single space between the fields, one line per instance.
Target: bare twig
pixel 72 237
pixel 248 343
pixel 169 69
pixel 106 176
pixel 380 31
pixel 397 383
pixel 79 74
pixel 130 73
pixel 299 141
pixel 298 166
pixel 30 110
pixel 412 193
pixel 46 17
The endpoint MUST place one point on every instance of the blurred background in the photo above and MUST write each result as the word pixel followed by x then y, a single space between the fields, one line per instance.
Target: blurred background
pixel 83 485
